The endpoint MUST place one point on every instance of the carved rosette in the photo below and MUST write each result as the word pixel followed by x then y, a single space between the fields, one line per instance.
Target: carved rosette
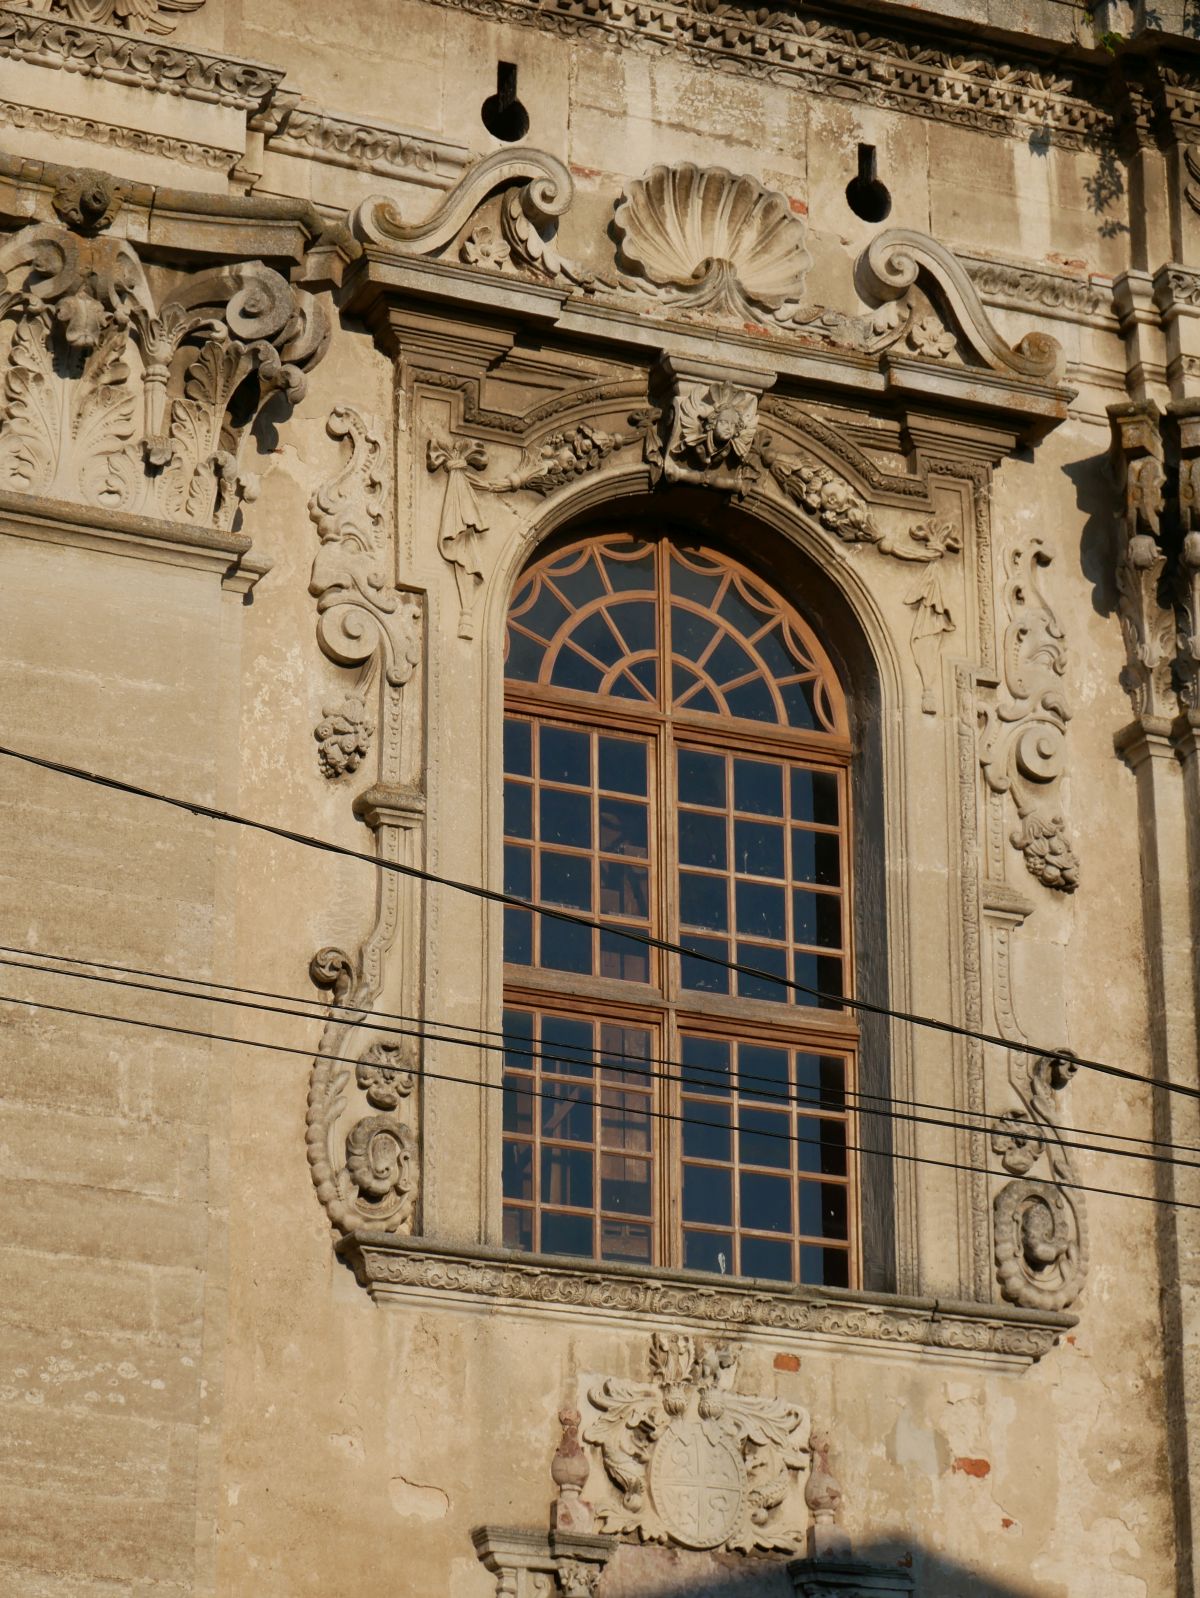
pixel 1024 744
pixel 695 1462
pixel 363 621
pixel 121 400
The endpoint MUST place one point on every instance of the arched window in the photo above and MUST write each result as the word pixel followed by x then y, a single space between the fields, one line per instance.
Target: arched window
pixel 676 761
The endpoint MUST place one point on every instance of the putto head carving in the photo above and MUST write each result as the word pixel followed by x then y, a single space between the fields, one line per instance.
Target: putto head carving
pixel 86 200
pixel 713 241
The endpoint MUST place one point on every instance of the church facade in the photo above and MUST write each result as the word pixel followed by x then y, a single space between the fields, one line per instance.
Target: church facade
pixel 599 740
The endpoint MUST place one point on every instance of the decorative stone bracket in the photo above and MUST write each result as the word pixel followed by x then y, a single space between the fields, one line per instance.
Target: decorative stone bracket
pixel 1156 460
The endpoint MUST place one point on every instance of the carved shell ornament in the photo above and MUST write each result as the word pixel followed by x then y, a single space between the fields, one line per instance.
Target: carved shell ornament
pixel 715 241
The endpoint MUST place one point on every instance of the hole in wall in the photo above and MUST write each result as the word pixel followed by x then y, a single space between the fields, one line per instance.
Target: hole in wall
pixel 866 196
pixel 503 114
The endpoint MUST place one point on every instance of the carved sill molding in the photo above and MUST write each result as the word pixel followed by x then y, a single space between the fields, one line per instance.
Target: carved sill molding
pixel 394 1269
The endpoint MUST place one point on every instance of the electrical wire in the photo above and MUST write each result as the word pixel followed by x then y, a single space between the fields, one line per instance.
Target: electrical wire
pixel 561 1095
pixel 702 1079
pixel 323 1009
pixel 492 895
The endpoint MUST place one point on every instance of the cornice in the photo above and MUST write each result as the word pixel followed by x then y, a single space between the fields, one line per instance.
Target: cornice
pixel 938 75
pixel 399 1269
pixel 1029 287
pixel 200 547
pixel 146 64
pixel 60 124
pixel 377 147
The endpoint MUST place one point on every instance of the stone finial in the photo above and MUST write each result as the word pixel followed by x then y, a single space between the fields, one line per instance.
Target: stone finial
pixel 569 1470
pixel 823 1495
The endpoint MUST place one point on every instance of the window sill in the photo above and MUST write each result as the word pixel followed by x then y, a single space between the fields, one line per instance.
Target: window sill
pixel 412 1269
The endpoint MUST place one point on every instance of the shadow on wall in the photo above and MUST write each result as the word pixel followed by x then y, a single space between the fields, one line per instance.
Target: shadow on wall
pixel 892 1568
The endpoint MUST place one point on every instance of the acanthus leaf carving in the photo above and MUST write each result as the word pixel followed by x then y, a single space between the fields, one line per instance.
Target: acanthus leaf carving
pixel 89 341
pixel 1147 626
pixel 559 459
pixel 138 16
pixel 697 1463
pixel 1187 419
pixel 1023 747
pixel 362 620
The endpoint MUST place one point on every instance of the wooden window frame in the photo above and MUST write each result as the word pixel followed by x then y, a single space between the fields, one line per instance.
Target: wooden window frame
pixel 661 1004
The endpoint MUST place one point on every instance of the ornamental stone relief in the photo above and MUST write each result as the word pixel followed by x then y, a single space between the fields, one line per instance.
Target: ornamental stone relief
pixel 1024 743
pixel 696 1462
pixel 138 16
pixel 124 400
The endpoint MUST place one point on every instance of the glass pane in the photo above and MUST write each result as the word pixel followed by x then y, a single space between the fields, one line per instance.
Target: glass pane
pixel 518 1229
pixel 691 634
pixel 518 1038
pixel 566 1114
pixel 822 1146
pixel 825 1267
pixel 762 1256
pixel 703 901
pixel 566 1234
pixel 625 1121
pixel 820 1081
pixel 707 1195
pixel 624 890
pixel 764 1138
pixel 594 635
pixel 766 1202
pixel 565 756
pixel 758 848
pixel 823 1210
pixel 565 817
pixel 624 828
pixel 689 583
pixel 634 619
pixel 753 701
pixel 705 1064
pixel 702 840
pixel 567 1177
pixel 573 670
pixel 701 778
pixel 817 918
pixel 763 1073
pixel 621 1240
pixel 518 937
pixel 518 1105
pixel 771 962
pixel 522 656
pixel 814 796
pixel 623 959
pixel 567 880
pixel 518 755
pixel 761 911
pixel 518 1171
pixel 623 765
pixel 624 1184
pixel 565 947
pixel 567 1046
pixel 518 810
pixel 625 1053
pixel 799 701
pixel 758 787
pixel 708 1251
pixel 518 871
pixel 816 857
pixel 706 1133
pixel 700 976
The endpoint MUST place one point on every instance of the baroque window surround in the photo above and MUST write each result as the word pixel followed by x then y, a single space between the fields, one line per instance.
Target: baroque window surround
pixel 777 432
pixel 818 426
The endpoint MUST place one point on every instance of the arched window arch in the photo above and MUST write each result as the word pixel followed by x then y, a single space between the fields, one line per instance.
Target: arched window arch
pixel 677 760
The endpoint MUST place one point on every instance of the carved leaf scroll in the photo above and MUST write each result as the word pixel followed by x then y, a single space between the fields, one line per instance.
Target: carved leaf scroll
pixel 1024 746
pixel 362 620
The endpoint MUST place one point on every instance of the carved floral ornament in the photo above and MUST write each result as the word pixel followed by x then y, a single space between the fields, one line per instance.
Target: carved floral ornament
pixel 116 398
pixel 138 16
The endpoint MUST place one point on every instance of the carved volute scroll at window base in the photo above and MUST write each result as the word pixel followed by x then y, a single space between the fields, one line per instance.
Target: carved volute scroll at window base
pixel 676 751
